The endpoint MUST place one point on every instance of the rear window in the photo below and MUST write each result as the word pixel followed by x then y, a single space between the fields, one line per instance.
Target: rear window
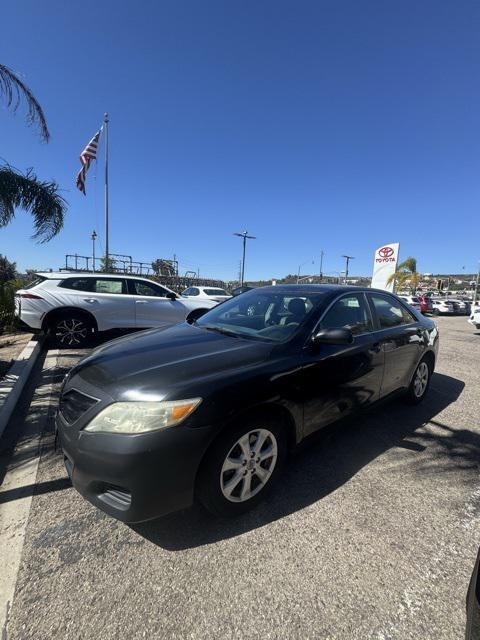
pixel 94 285
pixel 78 284
pixel 38 280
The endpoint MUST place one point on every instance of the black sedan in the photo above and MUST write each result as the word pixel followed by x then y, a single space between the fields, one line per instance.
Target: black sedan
pixel 210 408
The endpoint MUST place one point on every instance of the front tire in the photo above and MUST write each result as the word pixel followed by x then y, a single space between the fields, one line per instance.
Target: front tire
pixel 242 466
pixel 71 330
pixel 420 383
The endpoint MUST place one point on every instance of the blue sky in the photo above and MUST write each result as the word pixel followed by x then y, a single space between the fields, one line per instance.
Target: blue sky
pixel 334 125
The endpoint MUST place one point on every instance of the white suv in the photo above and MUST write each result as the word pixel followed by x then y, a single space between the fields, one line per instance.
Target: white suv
pixel 206 293
pixel 71 307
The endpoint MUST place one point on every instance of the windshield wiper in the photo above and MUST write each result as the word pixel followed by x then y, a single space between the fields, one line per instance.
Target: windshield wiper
pixel 225 332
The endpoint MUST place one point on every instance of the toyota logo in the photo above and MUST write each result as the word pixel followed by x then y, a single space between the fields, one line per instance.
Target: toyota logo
pixel 386 252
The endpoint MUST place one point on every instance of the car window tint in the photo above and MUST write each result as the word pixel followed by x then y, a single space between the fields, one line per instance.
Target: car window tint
pixel 350 312
pixel 79 284
pixel 215 292
pixel 268 315
pixel 147 289
pixel 390 312
pixel 108 286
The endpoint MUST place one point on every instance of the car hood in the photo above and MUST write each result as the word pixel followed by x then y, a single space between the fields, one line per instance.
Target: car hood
pixel 153 362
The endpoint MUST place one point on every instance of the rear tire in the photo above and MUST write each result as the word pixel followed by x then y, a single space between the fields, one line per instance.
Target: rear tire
pixel 242 466
pixel 420 383
pixel 71 330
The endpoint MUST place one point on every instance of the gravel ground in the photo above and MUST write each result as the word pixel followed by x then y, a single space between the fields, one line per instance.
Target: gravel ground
pixel 372 534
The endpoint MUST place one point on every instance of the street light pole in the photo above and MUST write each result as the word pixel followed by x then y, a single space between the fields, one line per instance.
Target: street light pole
pixel 475 295
pixel 245 237
pixel 347 260
pixel 300 266
pixel 93 238
pixel 321 265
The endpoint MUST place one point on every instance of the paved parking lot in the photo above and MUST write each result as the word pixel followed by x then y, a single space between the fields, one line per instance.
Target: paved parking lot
pixel 372 533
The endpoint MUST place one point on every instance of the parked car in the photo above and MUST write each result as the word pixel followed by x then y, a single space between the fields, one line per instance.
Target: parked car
pixel 460 306
pixel 442 307
pixel 425 304
pixel 413 301
pixel 472 631
pixel 475 316
pixel 238 290
pixel 211 407
pixel 206 293
pixel 72 307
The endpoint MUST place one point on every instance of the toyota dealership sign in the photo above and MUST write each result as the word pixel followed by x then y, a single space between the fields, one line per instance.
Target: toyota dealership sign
pixel 385 265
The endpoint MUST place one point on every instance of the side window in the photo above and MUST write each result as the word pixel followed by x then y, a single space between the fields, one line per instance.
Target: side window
pixel 147 289
pixel 350 312
pixel 390 312
pixel 109 285
pixel 78 284
pixel 187 292
pixel 194 291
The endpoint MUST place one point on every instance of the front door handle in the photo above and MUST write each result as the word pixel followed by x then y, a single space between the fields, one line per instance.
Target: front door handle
pixel 141 301
pixel 89 300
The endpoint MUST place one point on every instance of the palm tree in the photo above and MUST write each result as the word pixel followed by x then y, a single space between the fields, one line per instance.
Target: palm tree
pixel 406 275
pixel 18 190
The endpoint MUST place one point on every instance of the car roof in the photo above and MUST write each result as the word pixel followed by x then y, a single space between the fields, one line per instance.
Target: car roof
pixel 298 289
pixel 61 275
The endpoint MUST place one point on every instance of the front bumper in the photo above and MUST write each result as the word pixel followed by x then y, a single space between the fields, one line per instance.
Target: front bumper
pixel 135 477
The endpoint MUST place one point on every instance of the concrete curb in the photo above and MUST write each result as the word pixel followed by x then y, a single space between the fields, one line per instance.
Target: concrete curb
pixel 15 380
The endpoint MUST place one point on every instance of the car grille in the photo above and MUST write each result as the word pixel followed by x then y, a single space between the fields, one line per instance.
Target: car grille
pixel 73 404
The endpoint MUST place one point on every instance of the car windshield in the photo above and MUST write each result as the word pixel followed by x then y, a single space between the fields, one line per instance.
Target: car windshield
pixel 263 315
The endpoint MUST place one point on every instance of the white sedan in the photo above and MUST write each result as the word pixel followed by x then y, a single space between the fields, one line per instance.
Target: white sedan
pixel 442 307
pixel 206 293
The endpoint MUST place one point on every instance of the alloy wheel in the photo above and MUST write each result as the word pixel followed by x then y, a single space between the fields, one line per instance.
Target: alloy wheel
pixel 421 380
pixel 71 331
pixel 249 465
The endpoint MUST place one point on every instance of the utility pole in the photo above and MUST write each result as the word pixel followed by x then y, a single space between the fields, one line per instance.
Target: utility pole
pixel 245 237
pixel 321 264
pixel 93 237
pixel 347 260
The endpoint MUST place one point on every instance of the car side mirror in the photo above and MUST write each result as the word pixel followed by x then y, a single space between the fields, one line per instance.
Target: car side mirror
pixel 171 295
pixel 194 315
pixel 333 336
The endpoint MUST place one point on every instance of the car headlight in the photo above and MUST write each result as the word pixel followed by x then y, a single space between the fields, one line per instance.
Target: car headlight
pixel 142 417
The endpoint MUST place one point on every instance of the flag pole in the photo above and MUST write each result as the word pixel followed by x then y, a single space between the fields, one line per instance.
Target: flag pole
pixel 105 125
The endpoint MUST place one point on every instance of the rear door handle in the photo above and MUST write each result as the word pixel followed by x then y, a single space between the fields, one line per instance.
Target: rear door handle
pixel 89 300
pixel 141 301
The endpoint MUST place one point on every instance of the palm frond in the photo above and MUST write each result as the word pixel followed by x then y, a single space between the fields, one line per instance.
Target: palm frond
pixel 406 274
pixel 13 90
pixel 41 199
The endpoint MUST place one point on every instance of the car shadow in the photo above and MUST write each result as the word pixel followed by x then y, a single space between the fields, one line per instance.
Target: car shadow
pixel 329 461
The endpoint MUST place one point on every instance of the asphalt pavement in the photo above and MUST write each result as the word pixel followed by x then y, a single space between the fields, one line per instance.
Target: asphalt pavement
pixel 371 534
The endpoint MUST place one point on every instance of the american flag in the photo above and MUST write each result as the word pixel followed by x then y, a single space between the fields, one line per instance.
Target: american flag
pixel 87 155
